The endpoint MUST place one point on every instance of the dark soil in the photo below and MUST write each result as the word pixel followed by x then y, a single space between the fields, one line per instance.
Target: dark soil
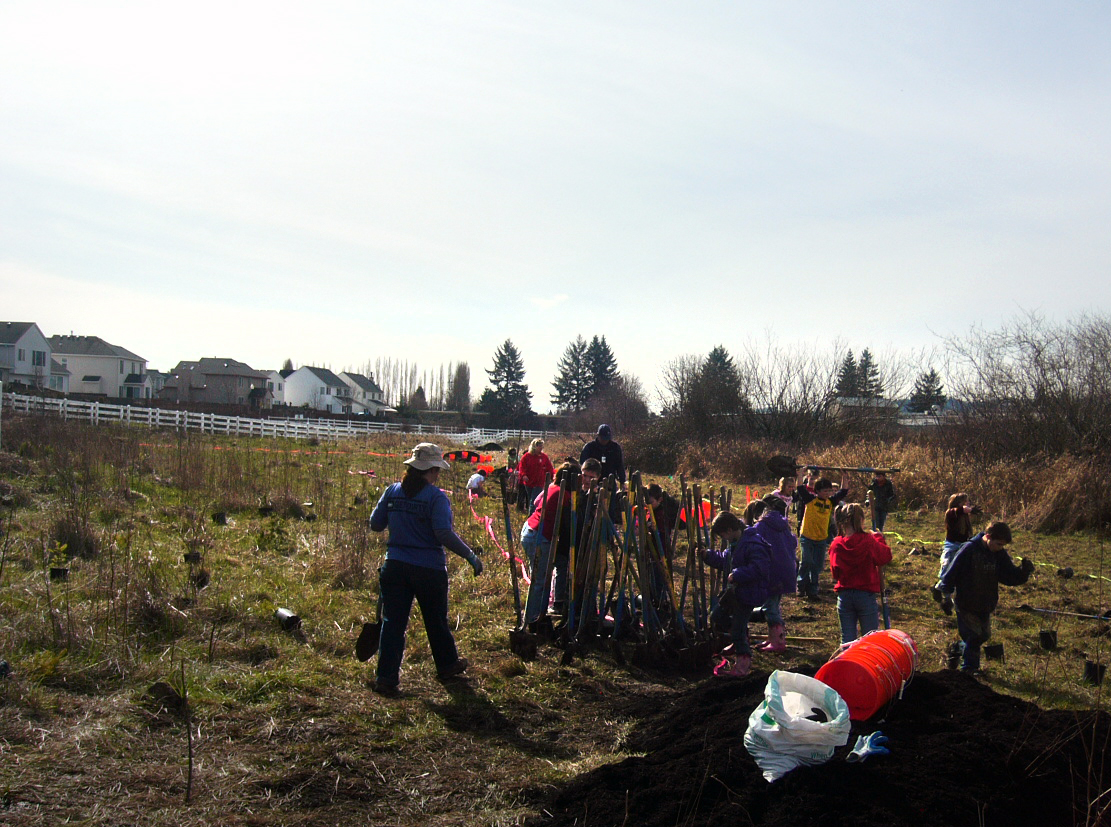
pixel 961 754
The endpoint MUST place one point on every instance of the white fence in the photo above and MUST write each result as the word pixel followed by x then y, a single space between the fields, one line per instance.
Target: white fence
pixel 330 429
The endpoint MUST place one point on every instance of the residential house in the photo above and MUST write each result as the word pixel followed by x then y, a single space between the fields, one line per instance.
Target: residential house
pixel 275 381
pixel 99 367
pixel 217 381
pixel 59 377
pixel 366 396
pixel 157 381
pixel 317 388
pixel 24 355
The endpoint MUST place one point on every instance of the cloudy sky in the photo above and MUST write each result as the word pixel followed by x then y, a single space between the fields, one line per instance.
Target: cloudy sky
pixel 335 182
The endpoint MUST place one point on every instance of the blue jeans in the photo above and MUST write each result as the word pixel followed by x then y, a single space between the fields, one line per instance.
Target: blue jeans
pixel 399 583
pixel 538 550
pixel 948 549
pixel 855 605
pixel 975 631
pixel 772 614
pixel 811 564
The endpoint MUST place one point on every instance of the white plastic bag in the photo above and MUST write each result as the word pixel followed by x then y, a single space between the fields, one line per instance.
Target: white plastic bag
pixel 779 735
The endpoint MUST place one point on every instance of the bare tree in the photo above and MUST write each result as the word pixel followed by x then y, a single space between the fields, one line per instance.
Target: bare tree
pixel 1034 386
pixel 789 389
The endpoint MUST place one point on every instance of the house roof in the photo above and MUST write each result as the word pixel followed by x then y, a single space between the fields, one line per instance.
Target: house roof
pixel 90 346
pixel 363 382
pixel 214 366
pixel 57 369
pixel 90 378
pixel 326 376
pixel 12 332
pixel 134 379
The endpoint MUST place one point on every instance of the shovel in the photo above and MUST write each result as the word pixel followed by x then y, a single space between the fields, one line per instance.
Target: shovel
pixel 521 642
pixel 366 646
pixel 784 466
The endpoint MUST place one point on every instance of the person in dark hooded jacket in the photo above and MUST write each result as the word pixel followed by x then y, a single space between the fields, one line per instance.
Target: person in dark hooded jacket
pixel 855 556
pixel 972 578
pixel 776 530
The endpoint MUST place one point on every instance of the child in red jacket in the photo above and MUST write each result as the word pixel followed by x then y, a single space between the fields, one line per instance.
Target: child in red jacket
pixel 855 557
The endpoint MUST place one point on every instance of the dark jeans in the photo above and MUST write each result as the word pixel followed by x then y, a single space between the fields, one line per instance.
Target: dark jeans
pixel 975 631
pixel 881 519
pixel 737 614
pixel 400 583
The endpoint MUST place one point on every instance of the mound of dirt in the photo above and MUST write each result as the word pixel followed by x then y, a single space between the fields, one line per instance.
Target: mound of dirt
pixel 961 754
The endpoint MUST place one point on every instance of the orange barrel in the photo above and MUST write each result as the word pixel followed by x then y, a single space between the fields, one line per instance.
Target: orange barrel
pixel 871 671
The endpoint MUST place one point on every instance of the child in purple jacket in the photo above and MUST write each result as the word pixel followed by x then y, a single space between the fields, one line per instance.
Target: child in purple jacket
pixel 774 528
pixel 748 560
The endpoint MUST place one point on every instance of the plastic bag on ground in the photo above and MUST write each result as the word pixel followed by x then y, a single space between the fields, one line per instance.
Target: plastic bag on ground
pixel 781 736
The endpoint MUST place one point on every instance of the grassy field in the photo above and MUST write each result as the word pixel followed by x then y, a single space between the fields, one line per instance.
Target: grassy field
pixel 280 727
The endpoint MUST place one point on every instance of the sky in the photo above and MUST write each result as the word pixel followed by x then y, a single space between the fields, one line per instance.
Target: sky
pixel 335 182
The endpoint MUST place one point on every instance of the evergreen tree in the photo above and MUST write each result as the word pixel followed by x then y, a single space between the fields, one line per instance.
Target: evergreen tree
pixel 574 382
pixel 927 392
pixel 508 398
pixel 418 401
pixel 848 378
pixel 602 365
pixel 716 393
pixel 869 385
pixel 288 365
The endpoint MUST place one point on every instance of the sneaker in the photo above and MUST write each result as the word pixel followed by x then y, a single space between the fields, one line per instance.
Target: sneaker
pixel 386 690
pixel 455 670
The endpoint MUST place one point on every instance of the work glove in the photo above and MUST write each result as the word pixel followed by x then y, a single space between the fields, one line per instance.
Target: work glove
pixel 868 745
pixel 476 563
pixel 1026 565
pixel 947 604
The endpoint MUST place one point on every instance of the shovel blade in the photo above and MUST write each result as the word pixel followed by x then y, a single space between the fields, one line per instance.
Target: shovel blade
pixel 522 644
pixel 366 646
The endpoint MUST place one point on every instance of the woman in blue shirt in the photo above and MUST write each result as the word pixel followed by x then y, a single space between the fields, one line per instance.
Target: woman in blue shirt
pixel 418 515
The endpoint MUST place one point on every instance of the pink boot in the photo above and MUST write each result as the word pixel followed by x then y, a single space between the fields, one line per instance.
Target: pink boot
pixel 737 669
pixel 777 639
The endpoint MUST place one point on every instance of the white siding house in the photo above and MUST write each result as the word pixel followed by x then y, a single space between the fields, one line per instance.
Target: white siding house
pixel 276 383
pixel 24 355
pixel 97 366
pixel 366 396
pixel 317 388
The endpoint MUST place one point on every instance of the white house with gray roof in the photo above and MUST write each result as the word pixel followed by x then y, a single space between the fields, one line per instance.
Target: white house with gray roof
pixel 24 355
pixel 366 396
pixel 317 388
pixel 100 367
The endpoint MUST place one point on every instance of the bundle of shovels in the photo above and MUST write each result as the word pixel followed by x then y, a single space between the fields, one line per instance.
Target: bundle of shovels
pixel 624 586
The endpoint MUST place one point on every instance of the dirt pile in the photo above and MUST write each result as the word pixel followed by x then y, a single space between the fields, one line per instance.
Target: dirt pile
pixel 961 754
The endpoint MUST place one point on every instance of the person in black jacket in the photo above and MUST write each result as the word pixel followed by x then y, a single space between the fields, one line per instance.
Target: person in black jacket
pixel 972 578
pixel 881 493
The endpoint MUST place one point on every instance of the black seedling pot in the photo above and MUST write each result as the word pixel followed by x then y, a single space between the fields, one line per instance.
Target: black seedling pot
pixel 191 557
pixel 59 573
pixel 1048 639
pixel 1094 672
pixel 994 651
pixel 287 619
